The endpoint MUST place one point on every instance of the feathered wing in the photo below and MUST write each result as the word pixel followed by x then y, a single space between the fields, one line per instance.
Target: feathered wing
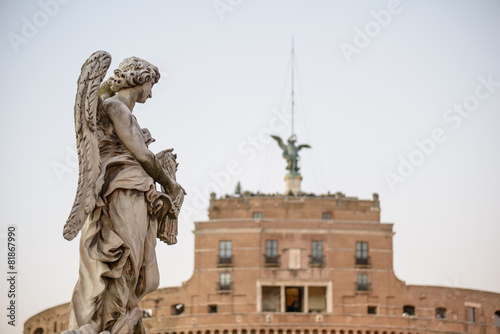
pixel 302 146
pixel 87 106
pixel 280 142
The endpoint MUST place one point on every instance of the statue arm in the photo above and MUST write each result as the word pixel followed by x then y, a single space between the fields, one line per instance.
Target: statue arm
pixel 127 130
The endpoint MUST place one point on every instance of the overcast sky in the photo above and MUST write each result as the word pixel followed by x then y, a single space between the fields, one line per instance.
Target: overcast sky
pixel 399 98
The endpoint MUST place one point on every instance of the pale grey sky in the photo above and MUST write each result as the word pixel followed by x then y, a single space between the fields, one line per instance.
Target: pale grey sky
pixel 374 78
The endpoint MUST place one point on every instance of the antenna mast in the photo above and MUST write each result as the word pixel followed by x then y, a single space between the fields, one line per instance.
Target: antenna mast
pixel 293 93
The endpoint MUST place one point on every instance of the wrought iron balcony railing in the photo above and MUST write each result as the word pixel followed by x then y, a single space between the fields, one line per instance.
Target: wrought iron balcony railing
pixel 225 261
pixel 272 261
pixel 363 261
pixel 316 261
pixel 362 286
pixel 224 286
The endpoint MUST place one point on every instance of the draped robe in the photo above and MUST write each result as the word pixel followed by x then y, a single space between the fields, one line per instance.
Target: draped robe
pixel 118 265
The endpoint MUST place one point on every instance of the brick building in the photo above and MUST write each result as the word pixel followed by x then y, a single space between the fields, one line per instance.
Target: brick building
pixel 275 264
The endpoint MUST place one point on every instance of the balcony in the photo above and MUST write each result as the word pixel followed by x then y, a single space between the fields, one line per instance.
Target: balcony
pixel 225 261
pixel 363 287
pixel 223 287
pixel 271 261
pixel 316 261
pixel 363 261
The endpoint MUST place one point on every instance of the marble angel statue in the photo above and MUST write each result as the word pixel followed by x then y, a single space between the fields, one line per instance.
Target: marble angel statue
pixel 117 208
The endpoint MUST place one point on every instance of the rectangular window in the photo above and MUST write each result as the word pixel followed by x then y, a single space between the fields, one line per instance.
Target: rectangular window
pixel 326 216
pixel 408 310
pixel 225 281
pixel 362 282
pixel 316 299
pixel 212 308
pixel 361 252
pixel 440 313
pixel 271 248
pixel 317 252
pixel 257 215
pixel 272 257
pixel 317 248
pixel 372 309
pixel 225 253
pixel 472 314
pixel 271 299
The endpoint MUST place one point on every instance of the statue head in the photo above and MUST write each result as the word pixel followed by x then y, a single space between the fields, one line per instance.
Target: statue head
pixel 132 72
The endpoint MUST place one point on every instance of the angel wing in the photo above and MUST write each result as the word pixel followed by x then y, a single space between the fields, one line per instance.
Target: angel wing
pixel 302 146
pixel 280 142
pixel 87 106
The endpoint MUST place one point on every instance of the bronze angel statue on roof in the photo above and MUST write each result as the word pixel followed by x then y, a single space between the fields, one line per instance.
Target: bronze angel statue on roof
pixel 291 152
pixel 117 208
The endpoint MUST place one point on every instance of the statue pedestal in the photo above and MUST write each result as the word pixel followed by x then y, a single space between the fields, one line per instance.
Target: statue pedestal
pixel 292 183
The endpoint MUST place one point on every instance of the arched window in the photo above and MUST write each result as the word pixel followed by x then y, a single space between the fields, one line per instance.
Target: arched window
pixel 39 330
pixel 497 318
pixel 177 309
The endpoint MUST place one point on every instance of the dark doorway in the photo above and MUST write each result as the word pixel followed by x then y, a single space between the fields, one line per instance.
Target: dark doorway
pixel 294 299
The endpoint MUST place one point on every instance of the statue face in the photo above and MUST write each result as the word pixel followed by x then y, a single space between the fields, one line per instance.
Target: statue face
pixel 145 91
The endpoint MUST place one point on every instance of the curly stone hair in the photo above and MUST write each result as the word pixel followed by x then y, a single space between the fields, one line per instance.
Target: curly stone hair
pixel 133 72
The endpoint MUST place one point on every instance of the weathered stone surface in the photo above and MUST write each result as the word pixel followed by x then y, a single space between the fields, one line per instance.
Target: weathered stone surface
pixel 117 207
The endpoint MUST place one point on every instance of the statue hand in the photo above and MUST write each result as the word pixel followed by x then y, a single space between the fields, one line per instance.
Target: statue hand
pixel 157 205
pixel 174 189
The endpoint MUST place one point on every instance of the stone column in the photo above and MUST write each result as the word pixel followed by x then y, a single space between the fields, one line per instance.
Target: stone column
pixel 305 302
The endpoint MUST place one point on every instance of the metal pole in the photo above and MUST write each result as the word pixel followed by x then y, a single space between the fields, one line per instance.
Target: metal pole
pixel 293 93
